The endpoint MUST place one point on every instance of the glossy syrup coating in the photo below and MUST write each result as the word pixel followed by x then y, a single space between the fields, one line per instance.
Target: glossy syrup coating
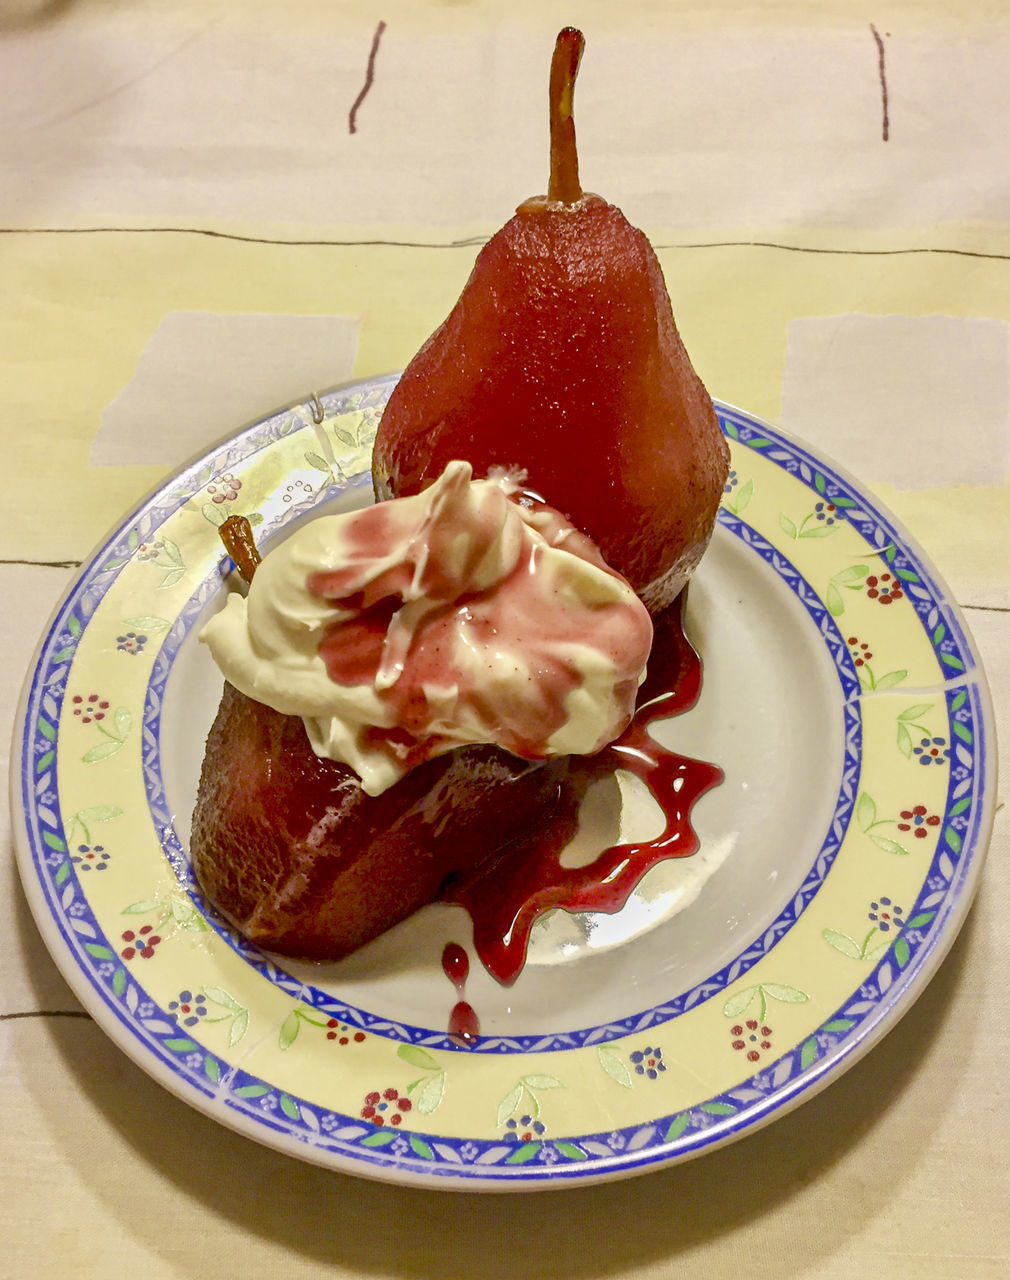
pixel 292 851
pixel 562 361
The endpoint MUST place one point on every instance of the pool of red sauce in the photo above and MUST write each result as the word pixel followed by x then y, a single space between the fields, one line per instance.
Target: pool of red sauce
pixel 505 896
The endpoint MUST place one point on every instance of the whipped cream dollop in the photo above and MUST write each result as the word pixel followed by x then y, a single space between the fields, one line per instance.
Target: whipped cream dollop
pixel 457 616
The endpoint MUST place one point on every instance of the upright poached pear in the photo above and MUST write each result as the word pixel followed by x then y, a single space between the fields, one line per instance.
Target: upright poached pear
pixel 561 361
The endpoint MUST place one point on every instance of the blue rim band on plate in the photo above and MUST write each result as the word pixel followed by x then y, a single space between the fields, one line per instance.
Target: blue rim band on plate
pixel 112 993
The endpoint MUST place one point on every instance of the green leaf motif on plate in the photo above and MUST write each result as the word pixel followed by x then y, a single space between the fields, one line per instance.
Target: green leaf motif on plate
pixel 848 579
pixel 417 1057
pixel 290 1028
pixel 181 1045
pixel 147 622
pixel 115 737
pixel 612 1061
pixel 890 846
pixel 570 1150
pixel 542 1082
pixel 85 819
pixel 854 950
pixel 214 513
pixel 718 1108
pixel 102 751
pixel 739 500
pixel 382 1138
pixel 509 1103
pixel 843 943
pixel 523 1096
pixel 236 1014
pixel 525 1153
pixel 909 719
pixel 319 463
pixel 761 991
pixel 429 1094
pixel 677 1126
pixel 428 1090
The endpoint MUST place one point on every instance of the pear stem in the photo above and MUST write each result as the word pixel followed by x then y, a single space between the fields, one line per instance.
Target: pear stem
pixel 564 180
pixel 237 536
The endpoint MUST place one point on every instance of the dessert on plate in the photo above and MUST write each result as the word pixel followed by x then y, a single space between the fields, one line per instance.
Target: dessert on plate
pixel 419 694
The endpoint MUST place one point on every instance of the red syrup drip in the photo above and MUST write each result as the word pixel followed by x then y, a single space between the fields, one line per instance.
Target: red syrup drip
pixel 464 1025
pixel 455 965
pixel 505 896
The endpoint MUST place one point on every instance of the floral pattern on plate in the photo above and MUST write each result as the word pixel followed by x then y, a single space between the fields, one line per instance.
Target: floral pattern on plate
pixel 323 1071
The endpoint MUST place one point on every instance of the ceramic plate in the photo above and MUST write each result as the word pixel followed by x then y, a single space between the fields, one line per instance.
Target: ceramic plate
pixel 842 697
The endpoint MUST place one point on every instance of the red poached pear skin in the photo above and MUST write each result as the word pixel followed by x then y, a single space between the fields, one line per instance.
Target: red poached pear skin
pixel 561 361
pixel 295 854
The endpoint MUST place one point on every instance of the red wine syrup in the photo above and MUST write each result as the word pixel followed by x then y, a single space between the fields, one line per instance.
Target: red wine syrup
pixel 506 895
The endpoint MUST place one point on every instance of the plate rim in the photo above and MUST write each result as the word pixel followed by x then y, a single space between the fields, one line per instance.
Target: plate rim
pixel 782 1099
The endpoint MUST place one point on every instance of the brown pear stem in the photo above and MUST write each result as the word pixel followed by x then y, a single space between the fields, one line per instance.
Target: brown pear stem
pixel 237 536
pixel 564 181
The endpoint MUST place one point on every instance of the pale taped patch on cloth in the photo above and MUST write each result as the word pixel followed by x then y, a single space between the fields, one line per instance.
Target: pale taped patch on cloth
pixel 920 402
pixel 203 376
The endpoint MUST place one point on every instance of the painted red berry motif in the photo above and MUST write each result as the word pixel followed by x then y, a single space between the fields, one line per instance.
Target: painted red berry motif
pixel 860 651
pixel 917 820
pixel 141 943
pixel 387 1107
pixel 91 708
pixel 883 588
pixel 752 1038
pixel 341 1033
pixel 225 489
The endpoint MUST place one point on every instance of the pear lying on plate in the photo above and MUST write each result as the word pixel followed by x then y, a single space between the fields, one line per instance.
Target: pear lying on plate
pixel 561 362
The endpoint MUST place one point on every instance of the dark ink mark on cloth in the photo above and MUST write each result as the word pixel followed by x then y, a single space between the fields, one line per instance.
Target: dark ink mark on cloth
pixel 882 73
pixel 44 564
pixel 45 1013
pixel 475 241
pixel 369 77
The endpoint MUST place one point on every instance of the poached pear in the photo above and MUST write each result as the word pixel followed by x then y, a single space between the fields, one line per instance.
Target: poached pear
pixel 561 363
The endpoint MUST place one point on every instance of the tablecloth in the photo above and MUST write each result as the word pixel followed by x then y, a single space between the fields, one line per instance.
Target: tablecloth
pixel 210 210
